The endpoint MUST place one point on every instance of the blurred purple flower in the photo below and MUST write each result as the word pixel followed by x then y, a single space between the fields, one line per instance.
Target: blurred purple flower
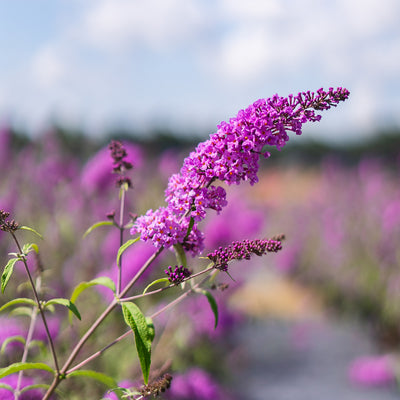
pixel 287 261
pixel 391 217
pixel 11 327
pixel 124 384
pixel 372 371
pixel 53 324
pixel 202 318
pixel 237 221
pixel 97 175
pixel 11 380
pixel 5 150
pixel 195 384
pixel 132 260
pixel 169 163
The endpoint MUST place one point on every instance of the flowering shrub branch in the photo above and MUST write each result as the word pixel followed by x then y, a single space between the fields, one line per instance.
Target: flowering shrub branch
pixel 231 155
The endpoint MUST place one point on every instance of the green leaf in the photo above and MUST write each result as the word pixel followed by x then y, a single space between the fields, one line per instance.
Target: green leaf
pixel 7 387
pixel 190 227
pixel 7 272
pixel 124 188
pixel 66 303
pixel 102 280
pixel 26 311
pixel 35 386
pixel 213 304
pixel 151 329
pixel 98 376
pixel 144 335
pixel 97 225
pixel 27 228
pixel 180 254
pixel 19 366
pixel 11 339
pixel 28 247
pixel 19 300
pixel 39 344
pixel 161 280
pixel 124 247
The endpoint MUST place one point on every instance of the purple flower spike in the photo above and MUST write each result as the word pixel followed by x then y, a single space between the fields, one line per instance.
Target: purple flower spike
pixel 231 155
pixel 243 251
pixel 178 274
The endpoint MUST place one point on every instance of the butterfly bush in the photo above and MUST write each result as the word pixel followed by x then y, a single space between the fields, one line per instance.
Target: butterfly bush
pixel 230 155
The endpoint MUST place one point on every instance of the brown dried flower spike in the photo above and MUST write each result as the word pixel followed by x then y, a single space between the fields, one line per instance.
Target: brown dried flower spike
pixel 157 387
pixel 7 226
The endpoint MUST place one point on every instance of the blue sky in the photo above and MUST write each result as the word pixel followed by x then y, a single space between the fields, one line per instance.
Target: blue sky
pixel 188 64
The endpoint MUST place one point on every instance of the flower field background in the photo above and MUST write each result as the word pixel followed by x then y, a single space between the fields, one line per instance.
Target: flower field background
pixel 339 210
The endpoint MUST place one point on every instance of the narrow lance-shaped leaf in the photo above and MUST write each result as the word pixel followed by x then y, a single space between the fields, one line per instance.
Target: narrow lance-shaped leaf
pixel 28 247
pixel 144 335
pixel 98 376
pixel 213 304
pixel 27 228
pixel 19 300
pixel 19 366
pixel 26 311
pixel 35 386
pixel 102 280
pixel 161 280
pixel 7 272
pixel 7 387
pixel 124 247
pixel 190 227
pixel 180 255
pixel 64 302
pixel 11 339
pixel 97 225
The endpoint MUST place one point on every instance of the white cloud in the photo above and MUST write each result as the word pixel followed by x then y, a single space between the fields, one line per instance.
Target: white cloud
pixel 120 24
pixel 250 9
pixel 47 67
pixel 111 58
pixel 243 55
pixel 327 39
pixel 366 18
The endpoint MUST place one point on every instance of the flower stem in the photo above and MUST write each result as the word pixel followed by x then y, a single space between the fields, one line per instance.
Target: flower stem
pixel 126 334
pixel 182 296
pixel 35 293
pixel 26 349
pixel 121 237
pixel 63 372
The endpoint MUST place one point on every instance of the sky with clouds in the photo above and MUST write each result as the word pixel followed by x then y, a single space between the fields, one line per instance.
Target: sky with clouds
pixel 188 64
